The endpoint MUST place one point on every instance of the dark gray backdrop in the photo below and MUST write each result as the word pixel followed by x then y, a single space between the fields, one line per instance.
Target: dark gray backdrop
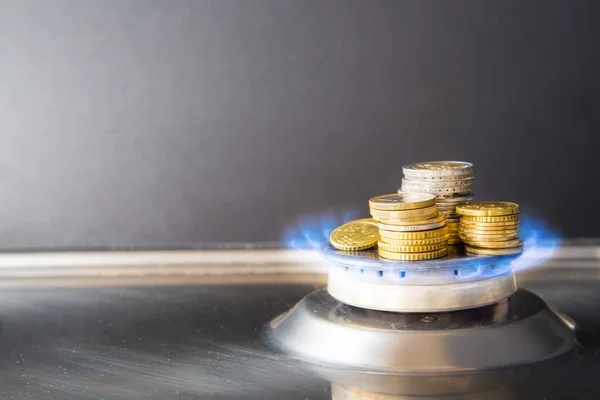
pixel 169 122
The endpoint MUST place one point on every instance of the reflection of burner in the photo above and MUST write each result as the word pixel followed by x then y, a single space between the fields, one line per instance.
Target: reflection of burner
pixel 455 282
pixel 448 315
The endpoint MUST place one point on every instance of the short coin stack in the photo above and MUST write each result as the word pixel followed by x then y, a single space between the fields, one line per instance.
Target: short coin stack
pixel 490 228
pixel 410 227
pixel 449 181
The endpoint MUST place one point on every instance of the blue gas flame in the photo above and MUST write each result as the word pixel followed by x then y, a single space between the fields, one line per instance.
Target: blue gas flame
pixel 311 231
pixel 541 240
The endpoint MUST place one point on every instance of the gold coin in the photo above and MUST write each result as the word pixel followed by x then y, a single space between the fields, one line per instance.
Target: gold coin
pixel 454 242
pixel 452 225
pixel 480 232
pixel 417 235
pixel 355 235
pixel 490 225
pixel 503 218
pixel 404 214
pixel 401 201
pixel 489 234
pixel 424 220
pixel 367 220
pixel 411 249
pixel 488 208
pixel 474 238
pixel 496 245
pixel 494 252
pixel 415 242
pixel 430 255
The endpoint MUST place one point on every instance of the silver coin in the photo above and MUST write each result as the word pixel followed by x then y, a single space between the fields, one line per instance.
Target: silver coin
pixel 411 228
pixel 436 191
pixel 438 168
pixel 438 184
pixel 440 178
pixel 447 196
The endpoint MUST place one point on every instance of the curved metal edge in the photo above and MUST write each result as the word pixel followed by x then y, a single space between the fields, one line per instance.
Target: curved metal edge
pixel 419 298
pixel 309 332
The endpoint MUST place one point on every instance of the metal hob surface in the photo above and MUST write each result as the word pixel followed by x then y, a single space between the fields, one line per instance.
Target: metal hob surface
pixel 205 341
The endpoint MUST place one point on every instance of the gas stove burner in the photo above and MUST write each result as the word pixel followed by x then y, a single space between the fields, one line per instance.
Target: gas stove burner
pixel 456 282
pixel 455 314
pixel 517 330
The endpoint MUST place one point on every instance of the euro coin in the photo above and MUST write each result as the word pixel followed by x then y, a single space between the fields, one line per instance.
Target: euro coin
pixel 449 207
pixel 494 252
pixel 355 235
pixel 439 183
pixel 511 232
pixel 488 232
pixel 442 196
pixel 425 234
pixel 488 209
pixel 410 221
pixel 454 242
pixel 410 186
pixel 411 249
pixel 496 245
pixel 401 201
pixel 490 225
pixel 447 178
pixel 367 220
pixel 502 218
pixel 414 242
pixel 438 169
pixel 405 214
pixel 430 255
pixel 474 238
pixel 433 223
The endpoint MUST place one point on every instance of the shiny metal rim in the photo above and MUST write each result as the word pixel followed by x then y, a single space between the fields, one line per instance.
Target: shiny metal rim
pixel 419 298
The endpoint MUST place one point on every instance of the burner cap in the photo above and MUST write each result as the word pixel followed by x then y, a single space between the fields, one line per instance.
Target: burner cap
pixel 363 279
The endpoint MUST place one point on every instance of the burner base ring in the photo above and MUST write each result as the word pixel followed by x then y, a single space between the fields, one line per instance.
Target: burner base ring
pixel 518 330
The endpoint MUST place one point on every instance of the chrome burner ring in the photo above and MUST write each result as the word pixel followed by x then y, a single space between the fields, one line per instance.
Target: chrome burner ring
pixel 363 279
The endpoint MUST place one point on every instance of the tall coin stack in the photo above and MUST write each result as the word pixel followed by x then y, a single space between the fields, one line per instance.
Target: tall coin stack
pixel 449 181
pixel 410 227
pixel 490 228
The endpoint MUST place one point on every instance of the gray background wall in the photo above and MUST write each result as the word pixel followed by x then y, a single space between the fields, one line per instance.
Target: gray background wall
pixel 168 122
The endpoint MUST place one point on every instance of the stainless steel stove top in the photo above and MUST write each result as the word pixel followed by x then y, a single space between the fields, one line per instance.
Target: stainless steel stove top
pixel 189 325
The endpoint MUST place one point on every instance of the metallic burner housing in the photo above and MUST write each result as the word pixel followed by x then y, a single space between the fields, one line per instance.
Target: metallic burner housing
pixel 456 282
pixel 518 330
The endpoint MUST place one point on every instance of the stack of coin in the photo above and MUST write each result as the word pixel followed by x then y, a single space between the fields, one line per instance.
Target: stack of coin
pixel 449 181
pixel 490 228
pixel 410 227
